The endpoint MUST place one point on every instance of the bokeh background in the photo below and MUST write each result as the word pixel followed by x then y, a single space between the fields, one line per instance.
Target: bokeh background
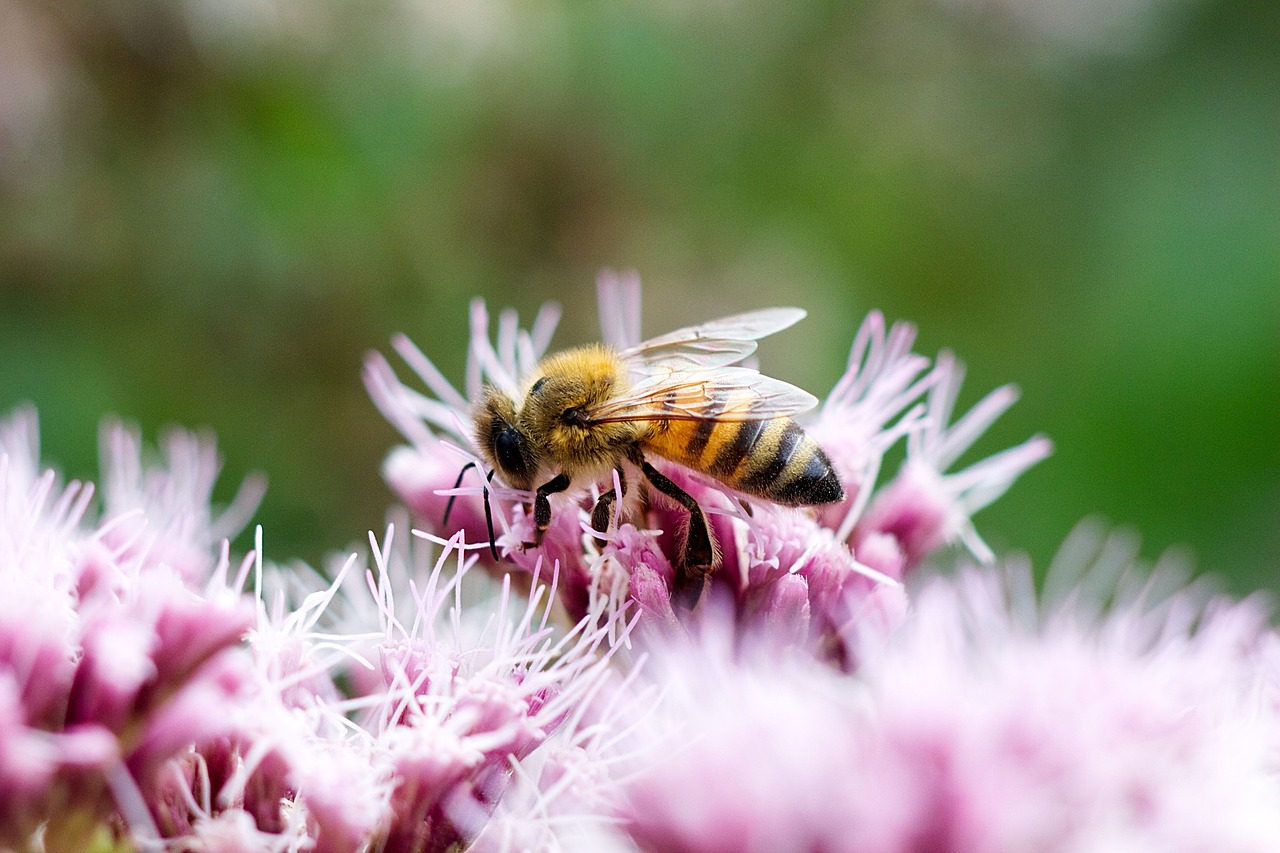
pixel 211 209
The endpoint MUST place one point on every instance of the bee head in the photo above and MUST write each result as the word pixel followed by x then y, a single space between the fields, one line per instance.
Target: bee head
pixel 503 444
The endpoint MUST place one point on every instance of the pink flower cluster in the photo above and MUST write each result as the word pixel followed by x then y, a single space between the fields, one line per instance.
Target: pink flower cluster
pixel 832 691
pixel 144 698
pixel 985 723
pixel 118 639
pixel 817 577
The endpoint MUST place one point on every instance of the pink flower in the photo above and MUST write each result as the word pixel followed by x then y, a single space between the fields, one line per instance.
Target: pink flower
pixel 409 703
pixel 923 508
pixel 482 700
pixel 565 795
pixel 425 473
pixel 421 754
pixel 111 661
pixel 751 755
pixel 984 723
pixel 640 570
pixel 871 408
pixel 810 575
pixel 345 797
pixel 162 514
pixel 562 548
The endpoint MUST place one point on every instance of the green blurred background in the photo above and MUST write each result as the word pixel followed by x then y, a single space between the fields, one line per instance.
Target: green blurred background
pixel 210 209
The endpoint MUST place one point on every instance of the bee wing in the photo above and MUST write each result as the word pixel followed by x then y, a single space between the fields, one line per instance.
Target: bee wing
pixel 709 345
pixel 722 394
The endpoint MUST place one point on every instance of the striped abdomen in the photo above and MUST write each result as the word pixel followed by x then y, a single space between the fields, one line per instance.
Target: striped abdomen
pixel 772 459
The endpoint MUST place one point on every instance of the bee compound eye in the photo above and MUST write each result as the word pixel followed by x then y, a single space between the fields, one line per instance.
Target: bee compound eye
pixel 511 452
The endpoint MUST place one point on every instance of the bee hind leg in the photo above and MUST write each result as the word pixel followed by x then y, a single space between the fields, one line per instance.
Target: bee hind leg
pixel 698 559
pixel 602 512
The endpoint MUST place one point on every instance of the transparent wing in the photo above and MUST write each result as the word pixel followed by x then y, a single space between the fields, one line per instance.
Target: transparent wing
pixel 722 394
pixel 709 345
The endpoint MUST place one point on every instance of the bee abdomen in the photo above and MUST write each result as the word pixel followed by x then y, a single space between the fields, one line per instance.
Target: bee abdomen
pixel 772 459
pixel 782 464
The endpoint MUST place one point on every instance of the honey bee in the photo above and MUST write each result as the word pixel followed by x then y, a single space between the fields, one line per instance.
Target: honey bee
pixel 594 409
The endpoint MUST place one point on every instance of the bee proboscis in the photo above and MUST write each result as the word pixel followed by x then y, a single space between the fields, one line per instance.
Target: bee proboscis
pixel 588 411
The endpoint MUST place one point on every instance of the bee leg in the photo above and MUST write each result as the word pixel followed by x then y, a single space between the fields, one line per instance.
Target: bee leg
pixel 699 553
pixel 542 506
pixel 602 512
pixel 448 507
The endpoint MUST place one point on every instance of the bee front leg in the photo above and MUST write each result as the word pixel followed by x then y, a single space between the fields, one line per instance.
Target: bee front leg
pixel 542 506
pixel 602 513
pixel 699 553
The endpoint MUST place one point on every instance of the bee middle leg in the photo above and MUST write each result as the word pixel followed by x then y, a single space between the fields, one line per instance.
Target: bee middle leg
pixel 699 553
pixel 542 506
pixel 602 512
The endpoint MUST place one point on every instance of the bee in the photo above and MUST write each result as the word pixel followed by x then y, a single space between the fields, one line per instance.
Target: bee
pixel 586 412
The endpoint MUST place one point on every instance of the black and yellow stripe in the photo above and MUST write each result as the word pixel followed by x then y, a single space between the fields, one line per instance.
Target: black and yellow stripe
pixel 772 459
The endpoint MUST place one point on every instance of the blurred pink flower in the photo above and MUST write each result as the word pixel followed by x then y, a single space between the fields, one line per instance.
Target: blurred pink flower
pixel 109 657
pixel 162 514
pixel 985 723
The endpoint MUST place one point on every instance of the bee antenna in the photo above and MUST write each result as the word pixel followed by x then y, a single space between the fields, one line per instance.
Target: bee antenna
pixel 448 508
pixel 488 518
